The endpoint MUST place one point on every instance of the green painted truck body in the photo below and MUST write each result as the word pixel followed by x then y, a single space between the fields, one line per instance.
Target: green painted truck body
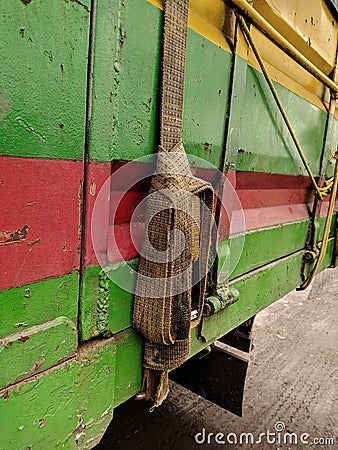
pixel 79 92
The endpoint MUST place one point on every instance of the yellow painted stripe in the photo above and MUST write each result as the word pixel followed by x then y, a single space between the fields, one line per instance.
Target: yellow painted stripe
pixel 286 71
pixel 308 26
pixel 206 17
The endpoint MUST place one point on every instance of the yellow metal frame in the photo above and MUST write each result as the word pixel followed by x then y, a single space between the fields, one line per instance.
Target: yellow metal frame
pixel 259 22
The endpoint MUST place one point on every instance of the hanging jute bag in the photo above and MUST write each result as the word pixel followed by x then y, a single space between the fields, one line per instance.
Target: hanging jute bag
pixel 173 264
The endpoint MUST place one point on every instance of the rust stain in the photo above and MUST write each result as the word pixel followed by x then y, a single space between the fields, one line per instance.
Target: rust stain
pixel 23 339
pixel 79 430
pixel 21 324
pixel 15 236
pixel 42 422
pixel 92 188
pixel 85 7
pixel 37 241
pixel 207 147
pixel 36 366
pixel 80 197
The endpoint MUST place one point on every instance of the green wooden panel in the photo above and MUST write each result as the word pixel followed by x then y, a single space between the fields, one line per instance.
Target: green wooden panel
pixel 206 88
pixel 257 290
pixel 37 303
pixel 88 302
pixel 330 146
pixel 129 354
pixel 43 72
pixel 127 49
pixel 36 349
pixel 260 247
pixel 265 143
pixel 268 244
pixel 118 313
pixel 69 406
pixel 125 80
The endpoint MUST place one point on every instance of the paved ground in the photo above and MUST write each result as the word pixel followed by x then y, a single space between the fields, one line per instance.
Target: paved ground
pixel 292 378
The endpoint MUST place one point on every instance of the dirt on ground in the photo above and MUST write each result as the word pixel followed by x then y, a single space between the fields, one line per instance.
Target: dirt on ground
pixel 292 387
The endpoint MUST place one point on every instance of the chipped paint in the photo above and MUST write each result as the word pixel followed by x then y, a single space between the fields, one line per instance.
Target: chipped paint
pixel 102 303
pixel 92 188
pixel 5 105
pixel 37 348
pixel 85 7
pixel 14 237
pixel 36 366
pixel 30 129
pixel 36 241
pixel 42 422
pixel 79 430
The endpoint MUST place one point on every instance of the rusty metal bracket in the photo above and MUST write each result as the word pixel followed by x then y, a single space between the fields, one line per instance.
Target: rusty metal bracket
pixel 224 297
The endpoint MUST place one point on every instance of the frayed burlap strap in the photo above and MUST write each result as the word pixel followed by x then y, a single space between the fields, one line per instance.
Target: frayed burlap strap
pixel 174 260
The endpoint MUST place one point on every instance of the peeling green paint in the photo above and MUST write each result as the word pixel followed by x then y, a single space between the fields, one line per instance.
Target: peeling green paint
pixel 102 303
pixel 35 349
pixel 68 406
pixel 25 306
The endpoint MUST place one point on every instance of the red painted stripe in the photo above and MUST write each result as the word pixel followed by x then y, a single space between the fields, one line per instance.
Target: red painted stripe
pixel 267 200
pixel 261 180
pixel 44 196
pixel 254 218
pixel 263 198
pixel 122 207
pixel 241 180
pixel 122 240
pixel 97 175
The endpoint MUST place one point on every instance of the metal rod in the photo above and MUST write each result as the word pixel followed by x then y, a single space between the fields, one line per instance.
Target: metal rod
pixel 262 25
pixel 246 33
pixel 327 228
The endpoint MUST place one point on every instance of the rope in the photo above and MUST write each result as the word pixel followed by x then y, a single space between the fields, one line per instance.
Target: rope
pixel 321 191
pixel 327 228
pixel 330 186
